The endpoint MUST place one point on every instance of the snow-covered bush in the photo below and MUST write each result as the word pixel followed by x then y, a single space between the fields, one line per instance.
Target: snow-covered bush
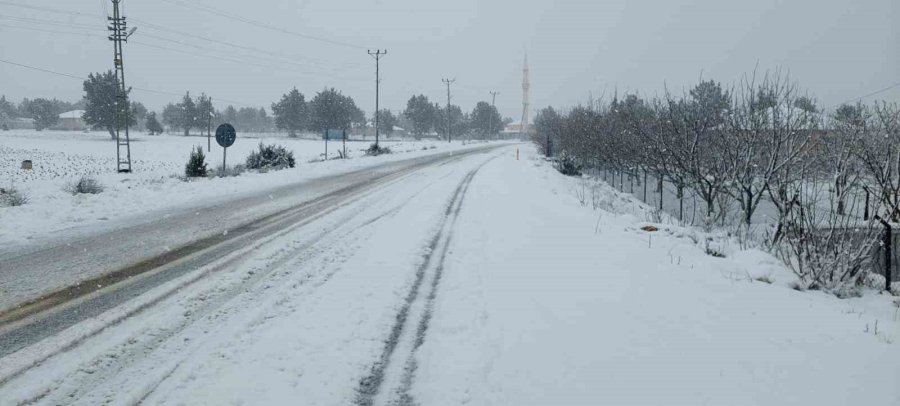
pixel 11 196
pixel 567 165
pixel 375 150
pixel 270 157
pixel 84 185
pixel 196 165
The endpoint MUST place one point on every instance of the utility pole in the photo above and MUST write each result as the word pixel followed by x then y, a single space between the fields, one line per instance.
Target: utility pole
pixel 118 35
pixel 448 82
pixel 493 109
pixel 209 124
pixel 377 55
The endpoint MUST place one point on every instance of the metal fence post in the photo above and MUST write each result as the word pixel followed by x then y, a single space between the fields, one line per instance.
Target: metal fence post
pixel 887 243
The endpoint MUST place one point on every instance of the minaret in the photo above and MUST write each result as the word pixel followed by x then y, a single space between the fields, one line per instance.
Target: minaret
pixel 526 87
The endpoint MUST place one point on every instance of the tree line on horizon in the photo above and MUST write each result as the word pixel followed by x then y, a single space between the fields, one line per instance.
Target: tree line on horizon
pixel 293 113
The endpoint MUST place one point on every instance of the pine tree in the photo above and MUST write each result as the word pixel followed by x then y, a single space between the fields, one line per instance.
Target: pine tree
pixel 386 122
pixel 100 96
pixel 421 113
pixel 153 125
pixel 187 118
pixel 291 112
pixel 331 110
pixel 485 119
pixel 44 113
pixel 196 165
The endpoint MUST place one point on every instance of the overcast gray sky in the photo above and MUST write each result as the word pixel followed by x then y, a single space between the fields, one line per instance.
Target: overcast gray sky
pixel 837 49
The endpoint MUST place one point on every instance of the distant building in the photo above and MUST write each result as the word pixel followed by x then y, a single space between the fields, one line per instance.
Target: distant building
pixel 71 121
pixel 513 130
pixel 21 123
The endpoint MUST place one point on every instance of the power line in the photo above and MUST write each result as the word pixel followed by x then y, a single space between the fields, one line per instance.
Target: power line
pixel 244 61
pixel 865 96
pixel 82 78
pixel 260 24
pixel 41 69
pixel 49 30
pixel 68 24
pixel 46 9
pixel 161 28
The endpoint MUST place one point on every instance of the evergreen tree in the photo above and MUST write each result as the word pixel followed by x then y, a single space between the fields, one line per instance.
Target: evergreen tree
pixel 291 112
pixel 44 114
pixel 204 109
pixel 386 122
pixel 138 114
pixel 24 108
pixel 331 110
pixel 421 113
pixel 459 122
pixel 187 117
pixel 153 125
pixel 229 115
pixel 485 119
pixel 246 119
pixel 7 113
pixel 100 91
pixel 196 165
pixel 171 116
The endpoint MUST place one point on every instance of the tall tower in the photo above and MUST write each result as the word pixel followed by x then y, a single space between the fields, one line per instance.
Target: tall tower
pixel 526 87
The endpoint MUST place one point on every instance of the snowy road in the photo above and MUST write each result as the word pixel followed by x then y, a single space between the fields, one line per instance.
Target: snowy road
pixel 471 279
pixel 221 281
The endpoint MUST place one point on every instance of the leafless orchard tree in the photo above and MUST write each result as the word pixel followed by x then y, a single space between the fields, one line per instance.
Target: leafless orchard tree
pixel 761 141
pixel 878 150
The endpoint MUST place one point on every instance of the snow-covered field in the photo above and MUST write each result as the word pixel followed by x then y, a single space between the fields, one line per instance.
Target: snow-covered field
pixel 60 158
pixel 484 282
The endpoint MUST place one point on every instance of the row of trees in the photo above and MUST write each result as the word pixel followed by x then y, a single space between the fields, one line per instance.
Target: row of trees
pixel 98 103
pixel 424 117
pixel 825 173
pixel 329 109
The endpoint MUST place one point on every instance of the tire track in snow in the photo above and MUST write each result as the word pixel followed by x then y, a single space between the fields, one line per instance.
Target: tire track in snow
pixel 390 377
pixel 107 364
pixel 211 306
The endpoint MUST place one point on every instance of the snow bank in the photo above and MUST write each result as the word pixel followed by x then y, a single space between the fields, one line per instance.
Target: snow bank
pixel 545 301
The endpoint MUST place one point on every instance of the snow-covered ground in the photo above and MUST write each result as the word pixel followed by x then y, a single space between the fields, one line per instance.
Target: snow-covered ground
pixel 61 157
pixel 481 282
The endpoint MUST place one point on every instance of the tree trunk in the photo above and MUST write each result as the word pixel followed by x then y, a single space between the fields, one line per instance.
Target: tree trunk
pixel 838 189
pixel 645 186
pixel 187 131
pixel 748 209
pixel 680 193
pixel 112 132
pixel 659 186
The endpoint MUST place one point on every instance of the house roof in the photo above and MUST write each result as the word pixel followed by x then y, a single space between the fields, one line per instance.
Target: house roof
pixel 72 114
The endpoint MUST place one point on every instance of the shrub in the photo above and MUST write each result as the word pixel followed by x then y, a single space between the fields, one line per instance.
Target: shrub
pixel 12 197
pixel 375 150
pixel 85 185
pixel 196 165
pixel 765 279
pixel 271 157
pixel 567 165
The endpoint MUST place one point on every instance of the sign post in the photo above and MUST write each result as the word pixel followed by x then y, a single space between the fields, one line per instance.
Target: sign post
pixel 225 136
